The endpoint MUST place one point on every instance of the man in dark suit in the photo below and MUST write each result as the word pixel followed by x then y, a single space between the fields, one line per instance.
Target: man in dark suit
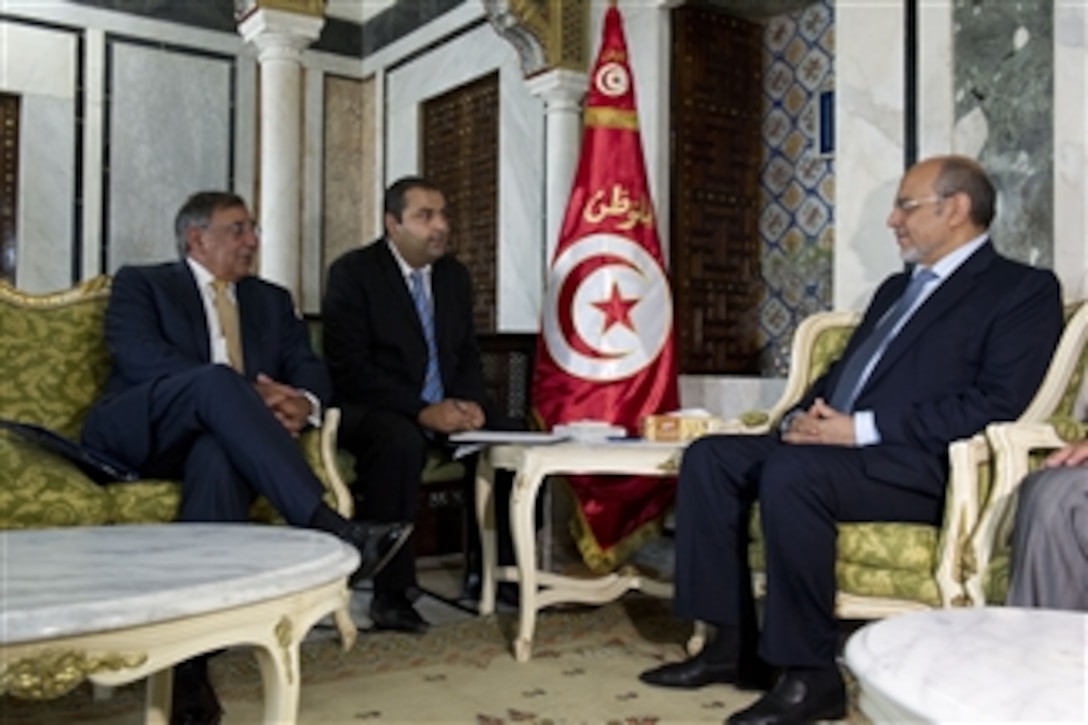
pixel 401 347
pixel 212 379
pixel 961 339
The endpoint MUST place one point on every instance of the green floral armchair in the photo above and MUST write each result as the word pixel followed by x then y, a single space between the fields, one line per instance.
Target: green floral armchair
pixel 881 568
pixel 53 369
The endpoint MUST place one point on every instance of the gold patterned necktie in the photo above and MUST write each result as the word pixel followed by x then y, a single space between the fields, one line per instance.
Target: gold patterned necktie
pixel 228 323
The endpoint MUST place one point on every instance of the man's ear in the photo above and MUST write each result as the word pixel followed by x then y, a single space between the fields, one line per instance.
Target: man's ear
pixel 391 224
pixel 959 209
pixel 192 238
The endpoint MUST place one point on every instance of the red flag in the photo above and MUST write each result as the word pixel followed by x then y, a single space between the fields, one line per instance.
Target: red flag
pixel 607 351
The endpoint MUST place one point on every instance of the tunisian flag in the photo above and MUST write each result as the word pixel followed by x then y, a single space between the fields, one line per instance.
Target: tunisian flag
pixel 607 351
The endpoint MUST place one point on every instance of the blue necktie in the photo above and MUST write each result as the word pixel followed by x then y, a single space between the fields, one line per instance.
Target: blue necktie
pixel 432 384
pixel 849 385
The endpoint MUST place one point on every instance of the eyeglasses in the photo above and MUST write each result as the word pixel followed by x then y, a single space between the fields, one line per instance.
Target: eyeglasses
pixel 908 205
pixel 237 229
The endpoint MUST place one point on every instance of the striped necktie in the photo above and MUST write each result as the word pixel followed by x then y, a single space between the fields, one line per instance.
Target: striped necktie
pixel 228 323
pixel 432 384
pixel 872 348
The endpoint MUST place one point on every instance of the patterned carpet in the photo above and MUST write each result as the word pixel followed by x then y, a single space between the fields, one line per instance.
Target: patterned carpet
pixel 584 670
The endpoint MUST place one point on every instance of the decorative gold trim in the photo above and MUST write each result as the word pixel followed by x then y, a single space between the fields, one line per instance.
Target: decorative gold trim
pixel 546 34
pixel 611 118
pixel 94 288
pixel 285 635
pixel 52 673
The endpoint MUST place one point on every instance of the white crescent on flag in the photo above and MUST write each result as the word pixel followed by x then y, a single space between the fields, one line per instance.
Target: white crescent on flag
pixel 608 308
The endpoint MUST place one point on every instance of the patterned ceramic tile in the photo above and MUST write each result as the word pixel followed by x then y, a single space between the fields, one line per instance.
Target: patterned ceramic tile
pixel 797 195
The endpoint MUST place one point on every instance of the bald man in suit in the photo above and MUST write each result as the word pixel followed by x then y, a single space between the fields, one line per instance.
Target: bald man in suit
pixel 960 339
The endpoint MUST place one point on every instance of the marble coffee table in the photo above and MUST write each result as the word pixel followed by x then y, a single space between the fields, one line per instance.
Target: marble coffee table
pixel 983 664
pixel 115 604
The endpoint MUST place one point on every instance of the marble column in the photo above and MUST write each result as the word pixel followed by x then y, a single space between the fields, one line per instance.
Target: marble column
pixel 280 37
pixel 562 91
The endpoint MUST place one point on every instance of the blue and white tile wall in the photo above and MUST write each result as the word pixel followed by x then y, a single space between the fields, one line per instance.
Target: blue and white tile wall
pixel 797 182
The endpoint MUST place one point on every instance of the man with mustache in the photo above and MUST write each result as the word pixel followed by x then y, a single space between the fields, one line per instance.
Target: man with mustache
pixel 213 377
pixel 406 371
pixel 961 338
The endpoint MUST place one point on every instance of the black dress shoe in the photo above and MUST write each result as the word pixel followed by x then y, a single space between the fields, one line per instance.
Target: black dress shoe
pixel 799 696
pixel 194 702
pixel 393 611
pixel 699 672
pixel 377 543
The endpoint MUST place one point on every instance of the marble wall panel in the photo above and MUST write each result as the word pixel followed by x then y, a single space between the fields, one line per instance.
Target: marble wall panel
pixel 474 52
pixel 46 217
pixel 1070 150
pixel 349 201
pixel 372 223
pixel 40 65
pixel 869 142
pixel 1004 86
pixel 169 135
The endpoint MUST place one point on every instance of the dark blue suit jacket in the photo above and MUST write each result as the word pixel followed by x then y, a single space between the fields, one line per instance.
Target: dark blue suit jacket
pixel 373 338
pixel 968 356
pixel 156 327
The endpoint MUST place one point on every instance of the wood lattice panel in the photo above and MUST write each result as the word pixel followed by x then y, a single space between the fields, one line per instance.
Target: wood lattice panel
pixel 460 140
pixel 9 182
pixel 715 247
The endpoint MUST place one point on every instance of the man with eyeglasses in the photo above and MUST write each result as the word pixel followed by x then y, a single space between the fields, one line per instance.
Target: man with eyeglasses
pixel 961 338
pixel 213 377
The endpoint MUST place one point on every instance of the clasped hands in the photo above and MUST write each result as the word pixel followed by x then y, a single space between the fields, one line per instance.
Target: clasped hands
pixel 821 425
pixel 452 416
pixel 290 406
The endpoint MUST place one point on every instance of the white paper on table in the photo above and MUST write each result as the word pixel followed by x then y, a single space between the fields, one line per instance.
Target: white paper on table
pixel 474 441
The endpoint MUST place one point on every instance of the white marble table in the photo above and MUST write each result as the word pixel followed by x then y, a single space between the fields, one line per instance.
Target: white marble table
pixel 115 604
pixel 532 464
pixel 986 664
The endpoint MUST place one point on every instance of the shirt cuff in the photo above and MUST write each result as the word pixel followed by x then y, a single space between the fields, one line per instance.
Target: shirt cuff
pixel 865 430
pixel 315 409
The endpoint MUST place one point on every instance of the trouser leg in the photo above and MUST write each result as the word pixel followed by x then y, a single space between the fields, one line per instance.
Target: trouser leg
pixel 1050 541
pixel 389 451
pixel 715 493
pixel 804 491
pixel 215 402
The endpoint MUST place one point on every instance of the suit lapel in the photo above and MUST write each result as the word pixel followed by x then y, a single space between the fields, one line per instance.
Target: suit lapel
pixel 945 298
pixel 188 295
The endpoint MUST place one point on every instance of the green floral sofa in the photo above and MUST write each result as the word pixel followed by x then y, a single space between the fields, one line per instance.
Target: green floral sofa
pixel 53 369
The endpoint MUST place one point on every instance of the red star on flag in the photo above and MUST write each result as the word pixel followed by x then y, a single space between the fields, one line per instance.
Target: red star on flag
pixel 617 310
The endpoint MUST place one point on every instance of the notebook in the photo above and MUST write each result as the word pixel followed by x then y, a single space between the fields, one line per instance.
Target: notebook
pixel 98 466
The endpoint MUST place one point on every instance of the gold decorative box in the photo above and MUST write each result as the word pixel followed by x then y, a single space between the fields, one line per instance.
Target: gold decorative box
pixel 678 428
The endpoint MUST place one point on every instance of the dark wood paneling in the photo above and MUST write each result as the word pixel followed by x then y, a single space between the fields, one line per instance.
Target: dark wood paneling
pixel 715 254
pixel 460 141
pixel 9 182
